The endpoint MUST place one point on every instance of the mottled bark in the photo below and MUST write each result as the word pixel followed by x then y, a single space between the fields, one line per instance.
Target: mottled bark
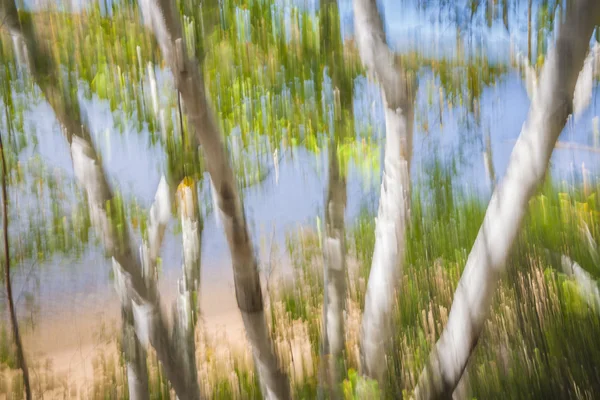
pixel 549 111
pixel 138 295
pixel 135 356
pixel 529 33
pixel 189 284
pixel 165 21
pixel 488 161
pixel 134 351
pixel 394 202
pixel 334 257
pixel 332 368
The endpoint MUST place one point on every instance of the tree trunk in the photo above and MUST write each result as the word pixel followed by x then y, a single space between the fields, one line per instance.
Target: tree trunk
pixel 135 356
pixel 529 32
pixel 137 293
pixel 334 257
pixel 168 31
pixel 134 351
pixel 398 93
pixel 586 284
pixel 11 304
pixel 550 108
pixel 189 285
pixel 332 370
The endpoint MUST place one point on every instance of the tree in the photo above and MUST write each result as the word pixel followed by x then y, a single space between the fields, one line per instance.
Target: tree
pixel 551 106
pixel 144 321
pixel 22 363
pixel 398 93
pixel 334 241
pixel 166 24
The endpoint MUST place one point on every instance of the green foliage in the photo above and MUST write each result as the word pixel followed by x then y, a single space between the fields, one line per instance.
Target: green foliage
pixel 357 387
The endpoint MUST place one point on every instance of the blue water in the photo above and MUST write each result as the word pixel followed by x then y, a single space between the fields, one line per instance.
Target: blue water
pixel 134 165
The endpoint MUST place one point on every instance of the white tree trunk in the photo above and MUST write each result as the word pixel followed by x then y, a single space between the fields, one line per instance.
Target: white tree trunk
pixel 189 285
pixel 394 202
pixel 333 369
pixel 136 291
pixel 139 297
pixel 550 108
pixel 586 284
pixel 135 353
pixel 334 257
pixel 166 24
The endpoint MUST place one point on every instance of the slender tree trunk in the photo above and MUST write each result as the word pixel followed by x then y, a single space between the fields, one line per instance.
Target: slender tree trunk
pixel 488 159
pixel 332 369
pixel 189 285
pixel 167 27
pixel 529 32
pixel 136 292
pixel 550 109
pixel 505 14
pixel 334 257
pixel 135 356
pixel 398 93
pixel 135 353
pixel 11 304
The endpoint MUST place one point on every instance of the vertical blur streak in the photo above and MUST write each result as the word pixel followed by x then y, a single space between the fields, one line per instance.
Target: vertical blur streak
pixel 334 246
pixel 189 285
pixel 529 6
pixel 550 108
pixel 398 92
pixel 334 255
pixel 11 304
pixel 167 27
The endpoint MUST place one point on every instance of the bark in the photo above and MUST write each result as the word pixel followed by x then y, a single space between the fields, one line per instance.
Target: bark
pixel 134 351
pixel 334 244
pixel 334 257
pixel 189 285
pixel 394 203
pixel 529 5
pixel 488 160
pixel 11 304
pixel 585 83
pixel 135 356
pixel 166 24
pixel 139 296
pixel 550 108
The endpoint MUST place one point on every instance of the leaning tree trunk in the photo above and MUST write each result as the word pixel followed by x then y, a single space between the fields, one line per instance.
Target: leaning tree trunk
pixel 166 24
pixel 551 106
pixel 139 296
pixel 394 202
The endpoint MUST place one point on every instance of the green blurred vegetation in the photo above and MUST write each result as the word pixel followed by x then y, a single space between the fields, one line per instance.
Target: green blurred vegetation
pixel 278 78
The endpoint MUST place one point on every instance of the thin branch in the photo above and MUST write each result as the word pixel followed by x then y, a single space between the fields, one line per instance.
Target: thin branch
pixel 11 304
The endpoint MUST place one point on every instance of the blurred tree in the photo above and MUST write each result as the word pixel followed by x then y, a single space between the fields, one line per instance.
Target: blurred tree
pixel 551 106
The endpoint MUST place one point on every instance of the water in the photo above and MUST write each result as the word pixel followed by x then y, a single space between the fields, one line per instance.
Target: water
pixel 296 198
pixel 65 286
